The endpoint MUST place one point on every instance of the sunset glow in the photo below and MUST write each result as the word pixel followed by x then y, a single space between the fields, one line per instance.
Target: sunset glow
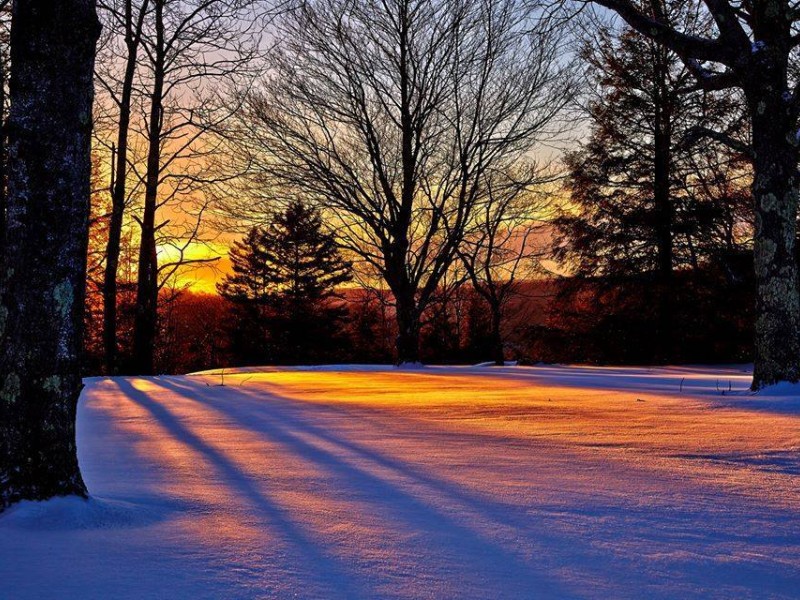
pixel 399 300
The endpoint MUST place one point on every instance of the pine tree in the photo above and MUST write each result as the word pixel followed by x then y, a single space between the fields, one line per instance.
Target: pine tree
pixel 284 284
pixel 650 195
pixel 751 47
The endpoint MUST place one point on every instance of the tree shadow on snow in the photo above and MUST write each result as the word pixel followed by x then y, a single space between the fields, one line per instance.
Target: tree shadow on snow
pixel 322 566
pixel 357 469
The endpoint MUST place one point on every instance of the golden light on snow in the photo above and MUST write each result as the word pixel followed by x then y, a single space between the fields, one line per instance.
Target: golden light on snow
pixel 386 483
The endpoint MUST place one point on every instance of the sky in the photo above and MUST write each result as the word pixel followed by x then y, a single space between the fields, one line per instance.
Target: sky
pixel 202 278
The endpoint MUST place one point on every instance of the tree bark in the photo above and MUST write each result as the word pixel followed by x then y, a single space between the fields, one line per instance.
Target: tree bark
pixel 3 155
pixel 777 327
pixel 406 303
pixel 773 115
pixel 41 316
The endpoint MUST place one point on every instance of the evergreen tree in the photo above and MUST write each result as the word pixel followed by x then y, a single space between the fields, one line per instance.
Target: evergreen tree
pixel 651 195
pixel 751 47
pixel 284 284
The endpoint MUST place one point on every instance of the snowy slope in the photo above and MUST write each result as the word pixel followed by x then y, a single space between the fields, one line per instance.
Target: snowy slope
pixel 359 482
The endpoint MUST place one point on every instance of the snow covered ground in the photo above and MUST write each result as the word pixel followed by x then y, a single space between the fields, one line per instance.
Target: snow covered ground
pixel 364 482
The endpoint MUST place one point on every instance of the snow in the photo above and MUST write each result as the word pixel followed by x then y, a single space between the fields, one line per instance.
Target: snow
pixel 508 363
pixel 783 389
pixel 442 482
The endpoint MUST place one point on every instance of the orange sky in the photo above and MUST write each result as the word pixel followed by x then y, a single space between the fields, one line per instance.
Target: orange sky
pixel 202 278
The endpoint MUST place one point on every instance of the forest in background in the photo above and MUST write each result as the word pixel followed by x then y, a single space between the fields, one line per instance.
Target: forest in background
pixel 611 222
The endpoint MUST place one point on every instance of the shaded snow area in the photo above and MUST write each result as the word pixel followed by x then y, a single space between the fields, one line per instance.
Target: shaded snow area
pixel 363 482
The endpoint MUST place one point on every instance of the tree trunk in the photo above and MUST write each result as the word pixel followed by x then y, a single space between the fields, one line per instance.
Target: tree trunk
pixel 406 302
pixel 110 281
pixel 146 317
pixel 118 192
pixel 3 155
pixel 498 350
pixel 777 327
pixel 41 316
pixel 407 330
pixel 662 147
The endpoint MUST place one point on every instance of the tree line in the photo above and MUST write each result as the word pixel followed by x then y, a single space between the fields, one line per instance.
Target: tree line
pixel 418 139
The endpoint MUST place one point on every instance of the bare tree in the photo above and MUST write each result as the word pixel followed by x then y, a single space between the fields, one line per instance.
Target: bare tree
pixel 389 114
pixel 124 19
pixel 44 273
pixel 192 49
pixel 751 47
pixel 504 246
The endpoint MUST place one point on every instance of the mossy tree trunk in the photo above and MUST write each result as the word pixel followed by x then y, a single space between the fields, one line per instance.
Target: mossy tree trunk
pixel 44 275
pixel 775 190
